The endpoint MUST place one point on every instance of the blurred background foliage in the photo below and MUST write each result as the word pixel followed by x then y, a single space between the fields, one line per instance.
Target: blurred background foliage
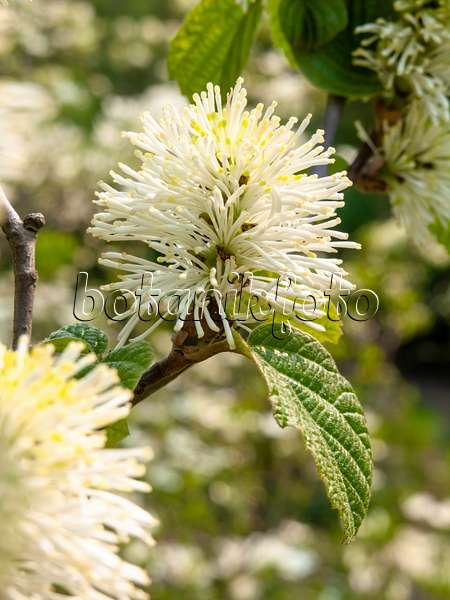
pixel 243 514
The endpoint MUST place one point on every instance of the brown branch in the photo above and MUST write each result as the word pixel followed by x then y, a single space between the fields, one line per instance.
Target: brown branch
pixel 181 358
pixel 364 171
pixel 21 236
pixel 187 350
pixel 362 158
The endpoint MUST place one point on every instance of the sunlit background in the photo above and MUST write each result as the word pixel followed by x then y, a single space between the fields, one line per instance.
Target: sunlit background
pixel 243 514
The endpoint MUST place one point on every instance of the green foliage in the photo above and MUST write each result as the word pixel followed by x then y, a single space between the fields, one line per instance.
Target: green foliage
pixel 308 24
pixel 130 362
pixel 308 392
pixel 94 339
pixel 213 44
pixel 240 47
pixel 278 36
pixel 329 66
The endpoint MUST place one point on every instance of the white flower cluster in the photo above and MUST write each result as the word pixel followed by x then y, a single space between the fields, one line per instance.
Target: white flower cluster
pixel 222 193
pixel 417 156
pixel 62 518
pixel 411 54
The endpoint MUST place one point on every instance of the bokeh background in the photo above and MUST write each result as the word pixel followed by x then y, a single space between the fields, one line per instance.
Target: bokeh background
pixel 243 513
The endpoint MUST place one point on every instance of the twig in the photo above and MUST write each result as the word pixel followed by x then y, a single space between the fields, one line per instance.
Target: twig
pixel 174 364
pixel 187 350
pixel 358 165
pixel 364 171
pixel 21 236
pixel 332 117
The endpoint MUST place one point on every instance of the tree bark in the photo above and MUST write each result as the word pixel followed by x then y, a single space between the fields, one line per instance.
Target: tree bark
pixel 21 236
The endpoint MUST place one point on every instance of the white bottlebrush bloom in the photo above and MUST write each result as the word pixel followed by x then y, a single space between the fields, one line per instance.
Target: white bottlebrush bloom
pixel 61 516
pixel 223 194
pixel 417 156
pixel 411 54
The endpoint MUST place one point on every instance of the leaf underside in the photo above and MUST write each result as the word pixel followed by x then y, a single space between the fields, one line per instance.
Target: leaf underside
pixel 308 392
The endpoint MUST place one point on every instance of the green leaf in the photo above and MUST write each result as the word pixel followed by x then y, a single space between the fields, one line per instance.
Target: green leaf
pixel 116 433
pixel 278 37
pixel 308 24
pixel 240 47
pixel 330 66
pixel 368 11
pixel 95 340
pixel 331 69
pixel 308 392
pixel 130 362
pixel 213 44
